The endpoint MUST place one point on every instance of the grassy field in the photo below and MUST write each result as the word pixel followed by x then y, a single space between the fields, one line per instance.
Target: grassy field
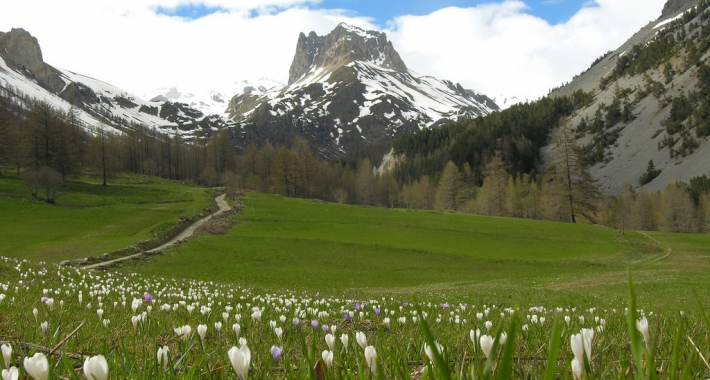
pixel 308 245
pixel 90 219
pixel 351 270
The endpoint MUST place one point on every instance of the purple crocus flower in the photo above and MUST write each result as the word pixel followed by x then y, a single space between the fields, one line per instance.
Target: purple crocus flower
pixel 296 322
pixel 347 317
pixel 276 353
pixel 357 306
pixel 44 299
pixel 325 328
pixel 314 323
pixel 377 311
pixel 444 306
pixel 147 297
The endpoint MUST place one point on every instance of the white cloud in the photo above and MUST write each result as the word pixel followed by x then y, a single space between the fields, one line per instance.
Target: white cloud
pixel 501 51
pixel 495 48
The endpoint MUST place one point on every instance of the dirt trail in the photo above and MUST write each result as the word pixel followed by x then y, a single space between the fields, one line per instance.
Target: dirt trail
pixel 189 231
pixel 668 249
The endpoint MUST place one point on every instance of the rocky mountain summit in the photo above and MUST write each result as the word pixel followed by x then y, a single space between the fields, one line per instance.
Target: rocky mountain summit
pixel 21 52
pixel 343 45
pixel 649 103
pixel 347 90
pixel 25 77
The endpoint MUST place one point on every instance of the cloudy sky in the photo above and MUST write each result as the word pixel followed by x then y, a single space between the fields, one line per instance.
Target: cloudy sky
pixel 503 48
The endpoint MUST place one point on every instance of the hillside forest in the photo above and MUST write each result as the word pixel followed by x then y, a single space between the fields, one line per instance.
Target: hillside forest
pixel 489 166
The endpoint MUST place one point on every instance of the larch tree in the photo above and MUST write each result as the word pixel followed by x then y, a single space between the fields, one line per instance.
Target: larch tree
pixel 568 166
pixel 450 183
pixel 492 197
pixel 644 214
pixel 365 183
pixel 677 209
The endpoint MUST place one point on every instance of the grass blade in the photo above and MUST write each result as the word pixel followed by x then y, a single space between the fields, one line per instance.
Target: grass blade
pixel 555 342
pixel 442 366
pixel 505 370
pixel 634 335
pixel 675 360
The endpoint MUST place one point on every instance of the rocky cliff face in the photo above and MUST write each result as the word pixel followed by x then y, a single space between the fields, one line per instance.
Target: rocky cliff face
pixel 343 45
pixel 347 90
pixel 674 6
pixel 21 51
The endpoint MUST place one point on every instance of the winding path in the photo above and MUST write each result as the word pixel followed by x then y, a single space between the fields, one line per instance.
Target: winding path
pixel 669 250
pixel 186 233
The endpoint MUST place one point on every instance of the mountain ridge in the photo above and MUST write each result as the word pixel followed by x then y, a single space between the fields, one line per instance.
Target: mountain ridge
pixel 347 90
pixel 25 77
pixel 622 151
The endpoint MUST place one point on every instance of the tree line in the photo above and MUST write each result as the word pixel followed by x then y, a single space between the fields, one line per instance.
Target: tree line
pixel 44 140
pixel 38 140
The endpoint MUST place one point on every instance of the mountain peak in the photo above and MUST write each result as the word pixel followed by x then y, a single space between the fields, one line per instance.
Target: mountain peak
pixel 21 51
pixel 343 45
pixel 674 6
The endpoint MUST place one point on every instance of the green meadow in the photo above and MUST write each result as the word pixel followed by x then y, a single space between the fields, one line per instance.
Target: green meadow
pixel 314 246
pixel 89 219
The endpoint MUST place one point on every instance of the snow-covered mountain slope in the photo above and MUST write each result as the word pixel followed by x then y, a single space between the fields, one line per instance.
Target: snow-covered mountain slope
pixel 347 90
pixel 215 100
pixel 24 76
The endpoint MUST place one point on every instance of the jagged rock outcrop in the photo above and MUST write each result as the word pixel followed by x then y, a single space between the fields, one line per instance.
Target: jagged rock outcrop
pixel 21 51
pixel 674 6
pixel 343 45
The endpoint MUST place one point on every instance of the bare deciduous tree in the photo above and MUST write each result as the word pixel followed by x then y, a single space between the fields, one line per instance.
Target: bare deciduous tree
pixel 568 166
pixel 44 178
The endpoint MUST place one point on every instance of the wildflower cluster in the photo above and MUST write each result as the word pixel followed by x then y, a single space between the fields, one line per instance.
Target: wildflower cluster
pixel 61 321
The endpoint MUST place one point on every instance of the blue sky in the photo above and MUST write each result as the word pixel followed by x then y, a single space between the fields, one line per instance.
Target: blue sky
pixel 382 11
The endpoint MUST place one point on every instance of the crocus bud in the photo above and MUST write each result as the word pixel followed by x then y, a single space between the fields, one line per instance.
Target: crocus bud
pixel 10 374
pixel 577 345
pixel 37 366
pixel 202 331
pixel 162 356
pixel 344 340
pixel 330 341
pixel 327 358
pixel 361 339
pixel 486 342
pixel 44 326
pixel 642 327
pixel 6 354
pixel 96 368
pixel 276 353
pixel 240 359
pixel 587 337
pixel 577 369
pixel 371 358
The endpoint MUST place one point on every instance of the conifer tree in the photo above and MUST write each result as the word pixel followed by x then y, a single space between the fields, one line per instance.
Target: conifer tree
pixel 447 193
pixel 568 167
